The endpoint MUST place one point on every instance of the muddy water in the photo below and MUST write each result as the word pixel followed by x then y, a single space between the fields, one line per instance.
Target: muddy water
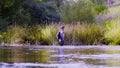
pixel 59 57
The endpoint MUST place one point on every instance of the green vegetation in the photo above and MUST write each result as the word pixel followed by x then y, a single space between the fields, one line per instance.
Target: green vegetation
pixel 87 34
pixel 84 34
pixel 49 34
pixel 13 35
pixel 30 35
pixel 112 33
pixel 38 21
pixel 80 11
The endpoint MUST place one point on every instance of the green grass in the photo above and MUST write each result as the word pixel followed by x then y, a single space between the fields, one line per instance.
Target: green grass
pixel 1 37
pixel 33 35
pixel 49 34
pixel 14 34
pixel 84 34
pixel 112 34
pixel 75 34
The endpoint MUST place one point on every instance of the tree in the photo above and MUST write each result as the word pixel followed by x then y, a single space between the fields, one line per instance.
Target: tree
pixel 99 6
pixel 77 11
pixel 10 9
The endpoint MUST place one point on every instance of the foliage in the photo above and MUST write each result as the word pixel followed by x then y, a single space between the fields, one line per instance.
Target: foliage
pixel 112 34
pixel 14 35
pixel 28 12
pixel 1 37
pixel 99 6
pixel 33 35
pixel 32 12
pixel 3 25
pixel 89 34
pixel 99 9
pixel 98 2
pixel 42 12
pixel 9 10
pixel 49 34
pixel 77 11
pixel 82 10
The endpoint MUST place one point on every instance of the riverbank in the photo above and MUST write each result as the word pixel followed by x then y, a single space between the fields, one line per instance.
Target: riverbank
pixel 75 34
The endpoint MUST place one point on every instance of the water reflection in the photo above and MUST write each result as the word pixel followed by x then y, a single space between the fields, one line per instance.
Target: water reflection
pixel 12 55
pixel 23 55
pixel 59 57
pixel 62 53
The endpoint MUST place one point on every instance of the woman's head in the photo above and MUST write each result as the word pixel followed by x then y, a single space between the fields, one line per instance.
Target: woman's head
pixel 62 27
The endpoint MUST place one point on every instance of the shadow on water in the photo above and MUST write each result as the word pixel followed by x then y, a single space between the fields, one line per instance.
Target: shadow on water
pixel 59 57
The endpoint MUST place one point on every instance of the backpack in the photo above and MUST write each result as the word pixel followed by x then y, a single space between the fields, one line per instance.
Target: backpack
pixel 58 35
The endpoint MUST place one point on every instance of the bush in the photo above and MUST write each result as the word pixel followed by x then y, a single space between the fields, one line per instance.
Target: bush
pixel 112 34
pixel 77 11
pixel 99 9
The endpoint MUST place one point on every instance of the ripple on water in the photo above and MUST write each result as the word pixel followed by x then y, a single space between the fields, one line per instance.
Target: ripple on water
pixel 37 65
pixel 86 57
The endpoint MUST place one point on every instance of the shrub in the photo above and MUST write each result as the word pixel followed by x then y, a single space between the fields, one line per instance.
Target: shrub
pixel 77 11
pixel 99 9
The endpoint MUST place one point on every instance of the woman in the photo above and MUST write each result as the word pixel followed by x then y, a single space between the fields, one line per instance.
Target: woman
pixel 60 36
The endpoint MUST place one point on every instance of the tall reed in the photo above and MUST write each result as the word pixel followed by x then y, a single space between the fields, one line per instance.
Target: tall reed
pixel 49 34
pixel 33 35
pixel 84 34
pixel 14 34
pixel 74 34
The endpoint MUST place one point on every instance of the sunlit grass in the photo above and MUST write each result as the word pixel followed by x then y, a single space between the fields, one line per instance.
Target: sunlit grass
pixel 84 34
pixel 75 34
pixel 33 35
pixel 112 33
pixel 14 34
pixel 49 34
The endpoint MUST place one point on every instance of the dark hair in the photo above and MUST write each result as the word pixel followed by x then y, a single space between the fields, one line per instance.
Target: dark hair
pixel 62 27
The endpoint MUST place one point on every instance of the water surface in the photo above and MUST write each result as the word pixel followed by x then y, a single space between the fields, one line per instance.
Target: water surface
pixel 59 57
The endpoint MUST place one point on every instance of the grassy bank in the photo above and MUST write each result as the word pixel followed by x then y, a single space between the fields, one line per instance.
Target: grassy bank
pixel 75 34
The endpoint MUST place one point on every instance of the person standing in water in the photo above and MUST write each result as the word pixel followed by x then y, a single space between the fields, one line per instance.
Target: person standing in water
pixel 60 36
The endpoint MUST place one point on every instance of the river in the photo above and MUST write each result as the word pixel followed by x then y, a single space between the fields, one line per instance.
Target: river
pixel 59 56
